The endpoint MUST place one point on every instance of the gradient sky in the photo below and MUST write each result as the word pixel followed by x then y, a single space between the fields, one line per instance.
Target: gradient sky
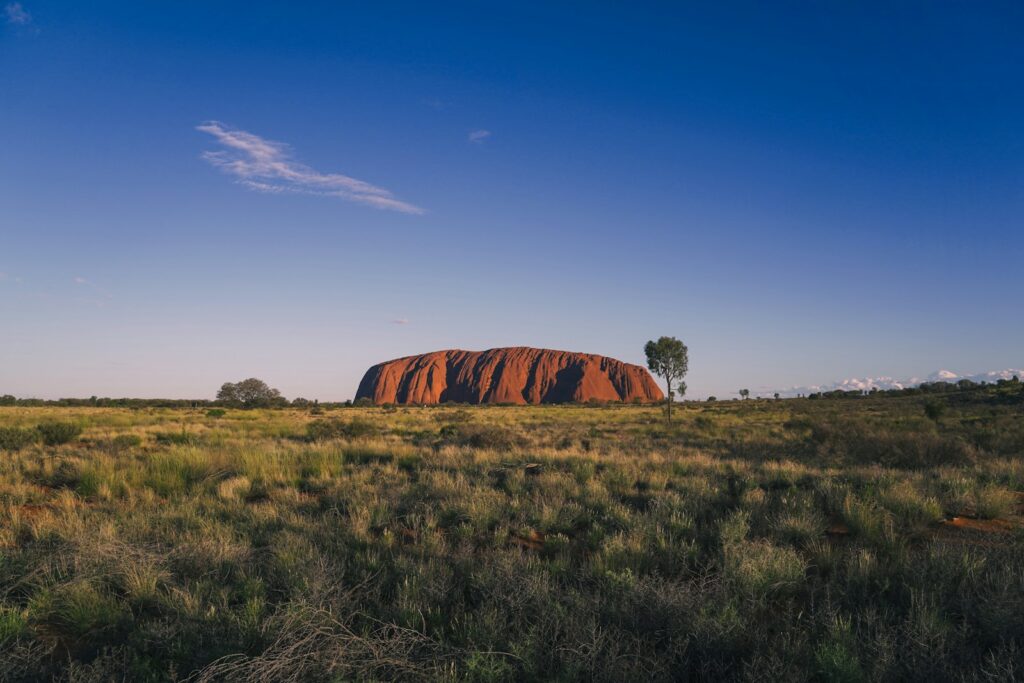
pixel 198 192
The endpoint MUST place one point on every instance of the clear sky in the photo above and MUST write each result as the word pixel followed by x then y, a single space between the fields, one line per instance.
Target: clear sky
pixel 198 192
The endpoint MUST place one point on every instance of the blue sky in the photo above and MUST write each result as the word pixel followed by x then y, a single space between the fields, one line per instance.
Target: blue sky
pixel 197 192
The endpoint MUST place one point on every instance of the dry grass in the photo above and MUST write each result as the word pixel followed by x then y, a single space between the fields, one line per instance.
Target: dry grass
pixel 782 539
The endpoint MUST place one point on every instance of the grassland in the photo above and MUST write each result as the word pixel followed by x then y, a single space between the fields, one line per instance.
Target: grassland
pixel 755 540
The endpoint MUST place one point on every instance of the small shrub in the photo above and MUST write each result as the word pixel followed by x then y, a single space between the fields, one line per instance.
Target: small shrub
pixel 934 410
pixel 123 442
pixel 703 422
pixel 762 568
pixel 358 428
pixel 76 610
pixel 182 438
pixel 12 624
pixel 459 416
pixel 216 413
pixel 835 658
pixel 174 473
pixel 994 502
pixel 57 433
pixel 910 507
pixel 864 519
pixel 16 438
pixel 491 437
pixel 324 430
pixel 799 528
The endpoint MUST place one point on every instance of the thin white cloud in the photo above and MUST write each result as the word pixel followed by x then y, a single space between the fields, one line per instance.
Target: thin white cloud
pixel 478 136
pixel 266 166
pixel 93 287
pixel 400 321
pixel 16 14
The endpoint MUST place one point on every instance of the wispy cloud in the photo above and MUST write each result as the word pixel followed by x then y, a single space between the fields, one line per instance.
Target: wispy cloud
pixel 16 14
pixel 400 321
pixel 478 136
pixel 266 166
pixel 93 287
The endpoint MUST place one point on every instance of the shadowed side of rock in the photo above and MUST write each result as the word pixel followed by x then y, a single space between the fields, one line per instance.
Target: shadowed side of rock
pixel 519 375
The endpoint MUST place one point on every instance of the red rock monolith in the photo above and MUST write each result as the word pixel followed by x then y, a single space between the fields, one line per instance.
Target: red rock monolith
pixel 517 374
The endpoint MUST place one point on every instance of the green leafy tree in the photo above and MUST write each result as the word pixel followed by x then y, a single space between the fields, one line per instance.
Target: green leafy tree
pixel 669 359
pixel 249 393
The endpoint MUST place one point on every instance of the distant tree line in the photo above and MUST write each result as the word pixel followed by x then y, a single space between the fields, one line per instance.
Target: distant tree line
pixel 254 393
pixel 248 393
pixel 1003 389
pixel 107 402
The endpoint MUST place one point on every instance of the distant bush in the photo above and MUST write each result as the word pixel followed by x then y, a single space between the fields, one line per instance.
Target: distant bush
pixel 182 438
pixel 454 416
pixel 216 413
pixel 123 442
pixel 491 437
pixel 324 430
pixel 703 422
pixel 57 433
pixel 363 403
pixel 934 409
pixel 16 438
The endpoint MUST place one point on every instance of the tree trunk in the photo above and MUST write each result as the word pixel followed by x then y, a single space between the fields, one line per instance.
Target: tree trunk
pixel 669 399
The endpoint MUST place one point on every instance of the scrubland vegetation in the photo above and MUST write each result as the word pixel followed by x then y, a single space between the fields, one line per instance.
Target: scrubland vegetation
pixel 874 539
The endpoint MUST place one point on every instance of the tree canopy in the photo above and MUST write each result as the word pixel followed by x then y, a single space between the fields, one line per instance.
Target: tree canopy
pixel 250 393
pixel 668 358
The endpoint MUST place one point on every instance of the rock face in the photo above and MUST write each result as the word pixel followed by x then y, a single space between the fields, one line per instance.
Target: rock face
pixel 512 375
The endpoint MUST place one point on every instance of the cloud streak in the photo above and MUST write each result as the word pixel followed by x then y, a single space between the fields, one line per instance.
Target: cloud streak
pixel 267 166
pixel 478 136
pixel 90 285
pixel 16 14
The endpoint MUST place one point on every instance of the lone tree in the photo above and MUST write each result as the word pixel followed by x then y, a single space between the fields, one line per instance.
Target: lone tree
pixel 744 394
pixel 668 358
pixel 249 393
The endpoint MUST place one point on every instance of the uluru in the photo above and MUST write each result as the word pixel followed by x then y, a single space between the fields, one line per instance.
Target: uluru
pixel 518 375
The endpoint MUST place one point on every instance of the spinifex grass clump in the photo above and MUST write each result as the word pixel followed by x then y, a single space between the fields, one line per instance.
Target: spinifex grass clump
pixel 16 438
pixel 56 433
pixel 783 540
